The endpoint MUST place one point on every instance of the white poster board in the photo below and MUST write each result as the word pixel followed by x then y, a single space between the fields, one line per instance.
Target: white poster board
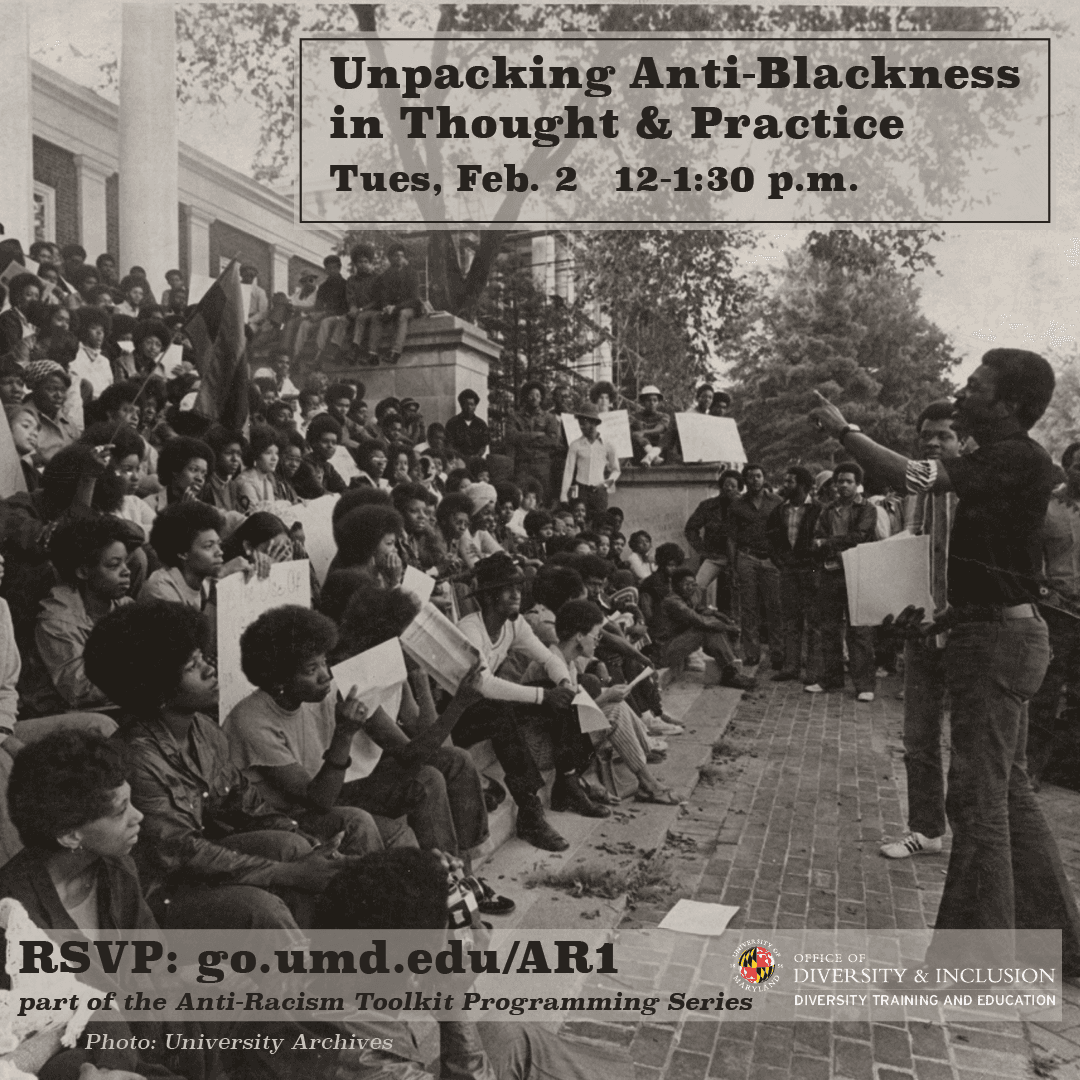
pixel 171 359
pixel 439 647
pixel 199 286
pixel 590 716
pixel 379 674
pixel 709 438
pixel 614 429
pixel 345 464
pixel 316 519
pixel 239 604
pixel 419 583
pixel 887 576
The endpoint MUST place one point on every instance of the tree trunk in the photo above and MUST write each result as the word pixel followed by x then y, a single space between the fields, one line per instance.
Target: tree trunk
pixel 365 17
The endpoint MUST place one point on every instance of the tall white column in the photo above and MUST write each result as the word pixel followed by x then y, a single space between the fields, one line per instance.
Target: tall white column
pixel 199 240
pixel 543 263
pixel 281 271
pixel 149 170
pixel 564 269
pixel 93 226
pixel 16 133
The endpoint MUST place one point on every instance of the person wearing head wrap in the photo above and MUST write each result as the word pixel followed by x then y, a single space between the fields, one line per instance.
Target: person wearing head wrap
pixel 49 384
pixel 478 540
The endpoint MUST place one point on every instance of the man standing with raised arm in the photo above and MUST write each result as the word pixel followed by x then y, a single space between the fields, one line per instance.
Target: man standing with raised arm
pixel 1005 870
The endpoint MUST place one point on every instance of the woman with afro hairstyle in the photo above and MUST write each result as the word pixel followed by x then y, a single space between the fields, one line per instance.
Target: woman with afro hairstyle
pixel 212 852
pixel 317 476
pixel 183 466
pixel 367 538
pixel 260 485
pixel 407 735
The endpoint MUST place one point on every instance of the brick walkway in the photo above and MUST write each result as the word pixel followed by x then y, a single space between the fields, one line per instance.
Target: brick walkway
pixel 787 826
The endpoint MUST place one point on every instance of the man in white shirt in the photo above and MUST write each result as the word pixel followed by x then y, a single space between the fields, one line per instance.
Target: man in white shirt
pixel 259 307
pixel 496 631
pixel 591 465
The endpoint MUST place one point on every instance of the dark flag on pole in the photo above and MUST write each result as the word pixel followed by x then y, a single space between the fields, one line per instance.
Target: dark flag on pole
pixel 216 331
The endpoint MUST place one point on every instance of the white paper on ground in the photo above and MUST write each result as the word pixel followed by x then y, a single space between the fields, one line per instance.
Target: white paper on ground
pixel 379 674
pixel 415 581
pixel 696 917
pixel 239 604
pixel 590 716
pixel 887 576
pixel 439 647
pixel 709 438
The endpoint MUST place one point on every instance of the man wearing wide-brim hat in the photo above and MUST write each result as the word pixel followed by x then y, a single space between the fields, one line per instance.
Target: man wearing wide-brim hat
pixel 591 464
pixel 496 631
pixel 649 428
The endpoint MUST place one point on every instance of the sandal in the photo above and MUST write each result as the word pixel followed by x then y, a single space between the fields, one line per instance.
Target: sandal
pixel 663 797
pixel 487 900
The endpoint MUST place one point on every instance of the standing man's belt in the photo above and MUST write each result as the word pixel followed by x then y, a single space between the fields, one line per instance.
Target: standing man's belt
pixel 991 612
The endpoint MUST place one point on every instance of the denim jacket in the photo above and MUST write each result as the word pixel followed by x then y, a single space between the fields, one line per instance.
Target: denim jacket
pixel 192 795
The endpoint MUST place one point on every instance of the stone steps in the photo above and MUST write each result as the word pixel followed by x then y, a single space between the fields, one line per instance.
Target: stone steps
pixel 512 866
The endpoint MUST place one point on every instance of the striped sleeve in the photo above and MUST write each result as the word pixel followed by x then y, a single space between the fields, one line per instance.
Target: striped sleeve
pixel 921 475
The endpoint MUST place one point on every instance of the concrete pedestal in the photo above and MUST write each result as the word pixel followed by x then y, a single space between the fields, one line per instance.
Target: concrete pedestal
pixel 443 356
pixel 659 500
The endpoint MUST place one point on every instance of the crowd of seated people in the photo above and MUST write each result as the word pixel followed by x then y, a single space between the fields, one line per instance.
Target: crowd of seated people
pixel 136 506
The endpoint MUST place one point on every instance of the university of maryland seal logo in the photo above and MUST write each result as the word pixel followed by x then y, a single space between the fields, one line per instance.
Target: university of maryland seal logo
pixel 757 965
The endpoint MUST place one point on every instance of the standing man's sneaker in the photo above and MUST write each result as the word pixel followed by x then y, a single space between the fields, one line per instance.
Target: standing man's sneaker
pixel 912 844
pixel 866 695
pixel 569 794
pixel 815 688
pixel 534 828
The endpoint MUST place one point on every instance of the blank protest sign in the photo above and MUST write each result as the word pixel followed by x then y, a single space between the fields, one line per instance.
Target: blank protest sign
pixel 316 518
pixel 239 604
pixel 614 429
pixel 709 438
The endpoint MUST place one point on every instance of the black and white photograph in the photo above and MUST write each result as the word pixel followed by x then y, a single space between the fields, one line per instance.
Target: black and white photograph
pixel 539 541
